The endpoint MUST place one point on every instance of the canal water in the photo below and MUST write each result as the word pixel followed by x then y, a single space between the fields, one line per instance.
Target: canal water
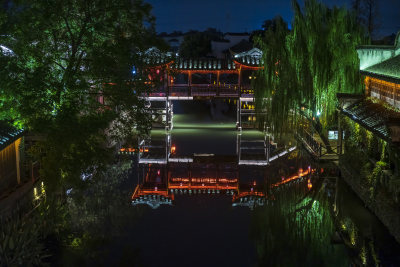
pixel 203 209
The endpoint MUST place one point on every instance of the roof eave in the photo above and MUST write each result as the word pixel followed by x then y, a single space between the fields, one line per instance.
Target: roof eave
pixel 380 76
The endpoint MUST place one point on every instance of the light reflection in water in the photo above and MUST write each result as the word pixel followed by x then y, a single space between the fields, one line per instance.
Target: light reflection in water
pixel 293 218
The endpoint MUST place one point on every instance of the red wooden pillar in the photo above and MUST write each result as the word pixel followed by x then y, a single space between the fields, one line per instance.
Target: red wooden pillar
pixel 168 85
pixel 239 81
pixel 166 81
pixel 190 83
pixel 218 83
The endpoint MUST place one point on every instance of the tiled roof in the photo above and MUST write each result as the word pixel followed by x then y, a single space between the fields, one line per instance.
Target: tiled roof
pixel 241 47
pixel 8 134
pixel 203 64
pixel 156 60
pixel 250 61
pixel 372 116
pixel 388 69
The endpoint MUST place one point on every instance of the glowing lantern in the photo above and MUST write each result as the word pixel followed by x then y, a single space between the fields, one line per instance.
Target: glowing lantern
pixel 309 184
pixel 173 149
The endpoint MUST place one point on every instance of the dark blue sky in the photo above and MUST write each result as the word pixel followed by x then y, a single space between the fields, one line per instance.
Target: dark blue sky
pixel 245 15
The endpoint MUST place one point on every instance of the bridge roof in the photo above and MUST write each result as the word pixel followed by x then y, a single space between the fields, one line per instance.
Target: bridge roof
pixel 205 64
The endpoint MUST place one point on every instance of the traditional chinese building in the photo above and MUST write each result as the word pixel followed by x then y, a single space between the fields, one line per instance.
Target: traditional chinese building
pixel 370 159
pixel 10 159
pixel 381 67
pixel 204 78
pixel 378 111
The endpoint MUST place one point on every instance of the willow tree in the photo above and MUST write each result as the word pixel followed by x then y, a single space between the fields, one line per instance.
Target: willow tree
pixel 276 90
pixel 306 67
pixel 297 225
pixel 66 56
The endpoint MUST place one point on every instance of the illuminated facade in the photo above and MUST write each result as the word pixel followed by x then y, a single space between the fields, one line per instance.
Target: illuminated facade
pixel 371 123
pixel 10 160
pixel 381 67
pixel 203 78
pixel 378 110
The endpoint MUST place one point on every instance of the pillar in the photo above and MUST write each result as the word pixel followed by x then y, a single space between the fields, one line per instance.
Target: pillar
pixel 340 135
pixel 17 159
pixel 267 147
pixel 239 82
pixel 218 83
pixel 239 115
pixel 238 141
pixel 190 83
pixel 168 85
pixel 167 147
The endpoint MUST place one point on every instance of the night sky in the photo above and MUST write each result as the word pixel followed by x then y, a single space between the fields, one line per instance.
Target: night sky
pixel 246 15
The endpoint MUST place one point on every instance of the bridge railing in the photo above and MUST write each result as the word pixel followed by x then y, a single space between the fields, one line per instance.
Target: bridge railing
pixel 318 148
pixel 179 90
pixel 223 90
pixel 160 92
pixel 229 90
pixel 204 90
pixel 246 90
pixel 310 141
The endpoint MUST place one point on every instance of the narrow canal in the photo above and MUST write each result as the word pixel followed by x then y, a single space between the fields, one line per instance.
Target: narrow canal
pixel 203 209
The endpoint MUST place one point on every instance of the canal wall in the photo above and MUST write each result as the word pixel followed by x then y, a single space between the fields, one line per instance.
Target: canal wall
pixel 380 205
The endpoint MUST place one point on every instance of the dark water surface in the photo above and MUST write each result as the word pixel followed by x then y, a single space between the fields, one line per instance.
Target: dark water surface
pixel 315 220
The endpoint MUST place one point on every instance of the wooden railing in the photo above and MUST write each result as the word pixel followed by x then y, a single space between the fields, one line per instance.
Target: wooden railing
pixel 227 90
pixel 317 148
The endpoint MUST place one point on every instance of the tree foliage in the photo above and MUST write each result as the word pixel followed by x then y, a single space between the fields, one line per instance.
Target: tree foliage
pixel 307 66
pixel 67 55
pixel 196 45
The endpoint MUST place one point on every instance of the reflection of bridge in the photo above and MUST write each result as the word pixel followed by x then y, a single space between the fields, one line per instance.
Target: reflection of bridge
pixel 188 79
pixel 164 174
pixel 205 175
pixel 259 152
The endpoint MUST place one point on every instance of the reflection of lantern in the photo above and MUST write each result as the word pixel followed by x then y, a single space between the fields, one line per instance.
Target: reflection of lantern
pixel 173 149
pixel 309 184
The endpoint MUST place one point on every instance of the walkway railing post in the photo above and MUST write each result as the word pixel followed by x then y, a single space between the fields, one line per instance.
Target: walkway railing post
pixel 239 115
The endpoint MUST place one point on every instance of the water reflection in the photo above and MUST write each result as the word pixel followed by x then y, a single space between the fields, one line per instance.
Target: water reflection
pixel 163 172
pixel 300 213
pixel 203 174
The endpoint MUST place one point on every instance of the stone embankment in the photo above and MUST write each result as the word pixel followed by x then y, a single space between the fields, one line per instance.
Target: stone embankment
pixel 380 205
